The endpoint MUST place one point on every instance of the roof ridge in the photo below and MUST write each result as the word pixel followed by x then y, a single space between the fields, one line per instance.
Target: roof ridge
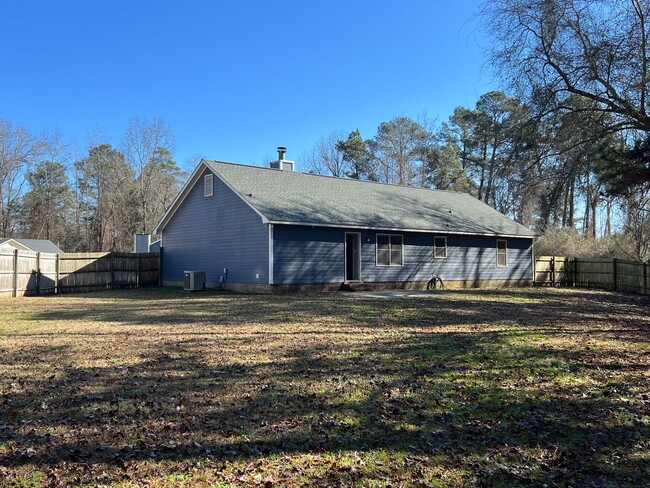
pixel 340 178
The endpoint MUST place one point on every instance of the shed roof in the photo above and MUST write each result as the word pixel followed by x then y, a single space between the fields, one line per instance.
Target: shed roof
pixel 302 198
pixel 35 245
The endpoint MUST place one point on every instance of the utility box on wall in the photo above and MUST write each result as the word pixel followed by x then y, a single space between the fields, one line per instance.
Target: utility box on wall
pixel 194 280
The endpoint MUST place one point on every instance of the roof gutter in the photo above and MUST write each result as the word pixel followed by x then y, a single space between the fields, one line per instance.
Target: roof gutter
pixel 400 229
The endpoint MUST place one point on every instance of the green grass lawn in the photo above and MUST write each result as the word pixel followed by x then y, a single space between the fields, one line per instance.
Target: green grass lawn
pixel 505 388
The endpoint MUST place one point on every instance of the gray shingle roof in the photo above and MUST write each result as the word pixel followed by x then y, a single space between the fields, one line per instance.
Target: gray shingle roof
pixel 35 245
pixel 302 198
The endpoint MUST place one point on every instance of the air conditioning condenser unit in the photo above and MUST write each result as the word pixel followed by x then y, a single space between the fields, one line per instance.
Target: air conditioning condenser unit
pixel 194 281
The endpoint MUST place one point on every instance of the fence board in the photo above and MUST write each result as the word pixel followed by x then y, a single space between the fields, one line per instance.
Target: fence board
pixel 48 266
pixel 7 272
pixel 26 273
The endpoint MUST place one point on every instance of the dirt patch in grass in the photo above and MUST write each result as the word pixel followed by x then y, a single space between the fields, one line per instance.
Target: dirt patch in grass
pixel 484 388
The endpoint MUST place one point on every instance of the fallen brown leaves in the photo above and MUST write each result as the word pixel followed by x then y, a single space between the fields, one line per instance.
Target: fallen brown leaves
pixel 513 388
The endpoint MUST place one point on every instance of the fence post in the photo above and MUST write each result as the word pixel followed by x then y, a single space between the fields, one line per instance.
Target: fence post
pixel 57 278
pixel 160 266
pixel 645 278
pixel 575 272
pixel 111 258
pixel 137 278
pixel 534 270
pixel 553 271
pixel 14 292
pixel 614 273
pixel 38 273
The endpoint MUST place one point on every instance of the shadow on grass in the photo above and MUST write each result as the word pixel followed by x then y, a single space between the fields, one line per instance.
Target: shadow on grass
pixel 564 312
pixel 492 401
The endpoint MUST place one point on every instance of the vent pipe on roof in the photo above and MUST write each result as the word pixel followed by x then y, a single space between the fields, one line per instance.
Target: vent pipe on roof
pixel 281 163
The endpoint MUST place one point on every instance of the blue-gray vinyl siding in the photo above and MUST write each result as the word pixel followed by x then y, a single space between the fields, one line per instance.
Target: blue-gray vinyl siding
pixel 304 254
pixel 213 233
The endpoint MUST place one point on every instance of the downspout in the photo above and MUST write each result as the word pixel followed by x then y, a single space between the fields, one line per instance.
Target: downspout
pixel 270 254
pixel 160 261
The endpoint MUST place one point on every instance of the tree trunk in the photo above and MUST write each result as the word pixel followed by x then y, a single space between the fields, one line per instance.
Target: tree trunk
pixel 594 205
pixel 572 197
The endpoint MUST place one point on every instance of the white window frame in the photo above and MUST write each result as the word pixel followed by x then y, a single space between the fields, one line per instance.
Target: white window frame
pixel 390 250
pixel 505 248
pixel 435 248
pixel 208 185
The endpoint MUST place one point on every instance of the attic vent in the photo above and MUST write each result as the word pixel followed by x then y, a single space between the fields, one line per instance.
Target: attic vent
pixel 208 185
pixel 281 163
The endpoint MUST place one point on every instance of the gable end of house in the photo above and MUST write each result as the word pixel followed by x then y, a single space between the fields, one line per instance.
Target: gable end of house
pixel 193 180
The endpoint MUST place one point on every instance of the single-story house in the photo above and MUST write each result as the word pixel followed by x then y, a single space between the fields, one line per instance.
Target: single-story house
pixel 271 229
pixel 33 245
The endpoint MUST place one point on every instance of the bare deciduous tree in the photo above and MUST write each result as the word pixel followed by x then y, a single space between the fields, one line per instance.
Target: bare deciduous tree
pixel 325 158
pixel 142 143
pixel 598 49
pixel 18 150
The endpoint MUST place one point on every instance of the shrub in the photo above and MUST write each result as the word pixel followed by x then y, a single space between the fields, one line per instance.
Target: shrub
pixel 570 243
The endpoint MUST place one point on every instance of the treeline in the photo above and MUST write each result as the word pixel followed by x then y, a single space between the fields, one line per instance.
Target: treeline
pixel 544 174
pixel 95 201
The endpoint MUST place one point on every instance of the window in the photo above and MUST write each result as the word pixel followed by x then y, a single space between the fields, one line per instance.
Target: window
pixel 389 250
pixel 439 247
pixel 208 185
pixel 502 253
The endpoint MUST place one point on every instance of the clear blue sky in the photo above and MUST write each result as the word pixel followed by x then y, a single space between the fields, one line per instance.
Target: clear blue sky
pixel 235 79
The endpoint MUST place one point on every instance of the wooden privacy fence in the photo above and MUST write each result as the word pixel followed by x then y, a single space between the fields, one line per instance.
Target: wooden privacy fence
pixel 613 274
pixel 24 273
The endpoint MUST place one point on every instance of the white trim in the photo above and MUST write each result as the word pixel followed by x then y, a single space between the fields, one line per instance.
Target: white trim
pixel 389 250
pixel 532 254
pixel 506 249
pixel 187 187
pixel 399 229
pixel 345 256
pixel 270 254
pixel 435 256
